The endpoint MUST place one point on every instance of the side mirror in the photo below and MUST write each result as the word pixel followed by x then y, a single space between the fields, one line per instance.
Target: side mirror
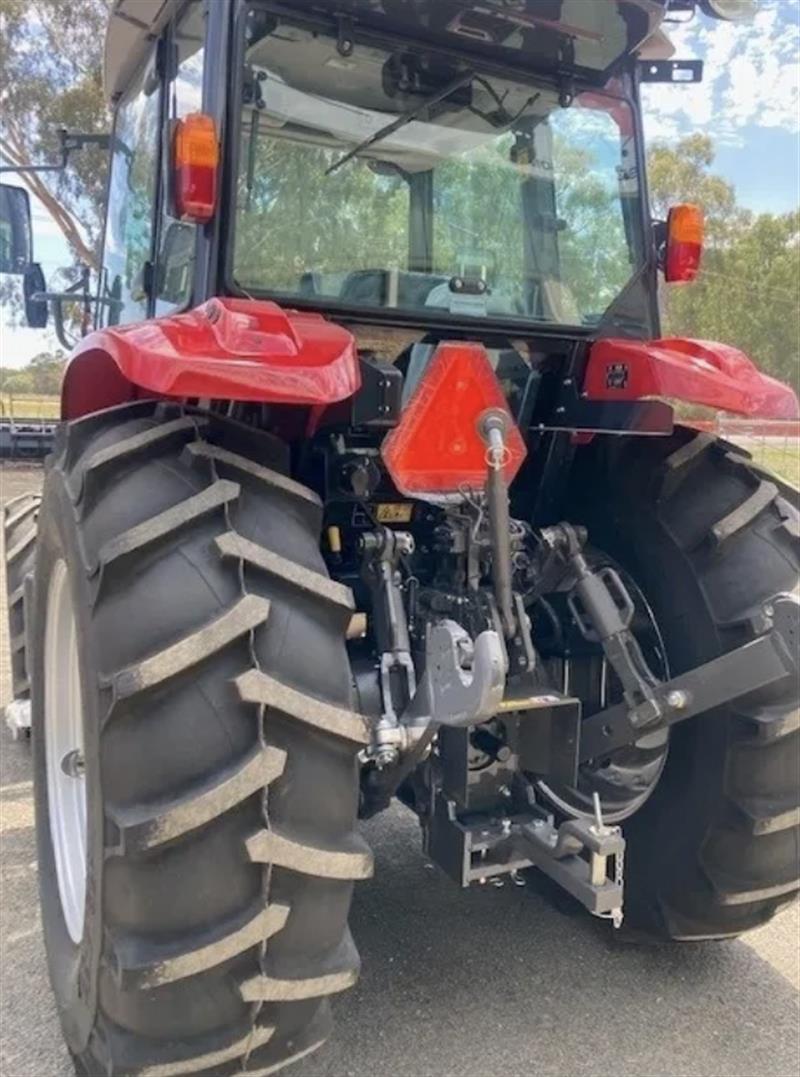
pixel 730 10
pixel 33 285
pixel 176 263
pixel 16 237
pixel 680 243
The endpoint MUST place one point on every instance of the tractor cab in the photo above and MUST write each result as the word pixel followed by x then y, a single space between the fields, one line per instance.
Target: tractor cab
pixel 359 161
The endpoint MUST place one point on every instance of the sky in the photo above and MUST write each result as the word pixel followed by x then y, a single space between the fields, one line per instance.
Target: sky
pixel 749 101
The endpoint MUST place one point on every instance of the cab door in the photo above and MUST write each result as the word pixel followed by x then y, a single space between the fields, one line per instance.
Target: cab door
pixel 149 256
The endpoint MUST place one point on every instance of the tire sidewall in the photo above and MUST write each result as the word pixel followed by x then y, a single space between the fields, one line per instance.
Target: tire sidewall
pixel 659 533
pixel 72 969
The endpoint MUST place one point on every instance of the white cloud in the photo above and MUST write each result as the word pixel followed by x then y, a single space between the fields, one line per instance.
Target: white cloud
pixel 751 77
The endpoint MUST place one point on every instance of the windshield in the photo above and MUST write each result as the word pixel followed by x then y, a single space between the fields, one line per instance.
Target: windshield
pixel 392 180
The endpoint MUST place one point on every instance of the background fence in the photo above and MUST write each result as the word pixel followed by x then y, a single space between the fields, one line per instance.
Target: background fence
pixel 29 406
pixel 773 444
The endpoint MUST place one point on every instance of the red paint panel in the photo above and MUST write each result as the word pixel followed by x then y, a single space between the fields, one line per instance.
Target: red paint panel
pixel 226 349
pixel 694 371
pixel 94 384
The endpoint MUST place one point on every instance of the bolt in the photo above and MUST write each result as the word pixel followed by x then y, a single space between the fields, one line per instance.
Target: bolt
pixel 769 610
pixel 677 699
pixel 385 757
pixel 73 764
pixel 505 826
pixel 504 791
pixel 497 882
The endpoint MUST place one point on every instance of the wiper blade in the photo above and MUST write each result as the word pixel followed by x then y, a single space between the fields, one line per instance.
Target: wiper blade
pixel 460 80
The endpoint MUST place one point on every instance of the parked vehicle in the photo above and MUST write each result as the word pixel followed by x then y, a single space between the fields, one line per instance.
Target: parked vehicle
pixel 369 486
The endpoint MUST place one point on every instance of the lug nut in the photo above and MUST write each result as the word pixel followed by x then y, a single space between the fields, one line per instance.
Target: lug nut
pixel 677 700
pixel 73 764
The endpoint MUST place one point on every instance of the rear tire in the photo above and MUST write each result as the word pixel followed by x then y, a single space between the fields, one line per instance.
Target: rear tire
pixel 19 534
pixel 220 749
pixel 713 543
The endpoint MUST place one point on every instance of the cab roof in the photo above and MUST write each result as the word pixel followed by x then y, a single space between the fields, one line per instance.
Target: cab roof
pixel 132 26
pixel 595 35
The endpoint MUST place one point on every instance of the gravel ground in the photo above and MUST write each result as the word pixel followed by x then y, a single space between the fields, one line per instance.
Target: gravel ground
pixel 479 984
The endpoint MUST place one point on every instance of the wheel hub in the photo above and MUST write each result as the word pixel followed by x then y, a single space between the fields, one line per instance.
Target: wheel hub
pixel 625 780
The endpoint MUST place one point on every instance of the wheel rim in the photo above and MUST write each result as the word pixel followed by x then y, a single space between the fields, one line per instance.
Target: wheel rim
pixel 626 780
pixel 64 751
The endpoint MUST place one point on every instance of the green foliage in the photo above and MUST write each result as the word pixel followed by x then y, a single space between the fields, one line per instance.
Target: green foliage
pixel 41 377
pixel 593 248
pixel 50 77
pixel 747 293
pixel 293 219
pixel 680 174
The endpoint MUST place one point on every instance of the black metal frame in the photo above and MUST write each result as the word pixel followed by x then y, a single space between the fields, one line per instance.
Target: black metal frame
pixel 487 823
pixel 755 666
pixel 69 143
pixel 501 60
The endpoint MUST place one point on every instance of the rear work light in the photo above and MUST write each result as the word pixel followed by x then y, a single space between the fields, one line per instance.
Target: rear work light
pixel 684 243
pixel 195 165
pixel 439 448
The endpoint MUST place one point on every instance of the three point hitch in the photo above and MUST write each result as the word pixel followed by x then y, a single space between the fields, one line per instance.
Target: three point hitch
pixel 481 824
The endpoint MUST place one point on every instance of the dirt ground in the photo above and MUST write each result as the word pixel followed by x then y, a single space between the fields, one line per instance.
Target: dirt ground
pixel 486 983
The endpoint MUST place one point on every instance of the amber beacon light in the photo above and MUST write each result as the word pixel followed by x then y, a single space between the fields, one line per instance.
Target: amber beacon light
pixel 684 243
pixel 195 168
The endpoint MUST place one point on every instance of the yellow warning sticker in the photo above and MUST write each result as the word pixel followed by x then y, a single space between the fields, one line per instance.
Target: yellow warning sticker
pixel 394 512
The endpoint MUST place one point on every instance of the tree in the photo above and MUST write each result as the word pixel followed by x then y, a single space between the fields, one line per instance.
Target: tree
pixel 747 292
pixel 680 174
pixel 40 377
pixel 50 77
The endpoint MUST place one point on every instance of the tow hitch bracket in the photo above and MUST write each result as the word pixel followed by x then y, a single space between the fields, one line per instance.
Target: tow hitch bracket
pixel 596 880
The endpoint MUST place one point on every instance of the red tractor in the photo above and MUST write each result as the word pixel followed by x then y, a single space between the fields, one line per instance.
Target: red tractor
pixel 370 485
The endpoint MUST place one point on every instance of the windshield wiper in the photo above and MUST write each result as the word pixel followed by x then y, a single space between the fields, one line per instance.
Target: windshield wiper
pixel 461 80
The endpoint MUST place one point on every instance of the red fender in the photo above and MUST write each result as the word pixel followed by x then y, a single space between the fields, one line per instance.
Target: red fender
pixel 226 349
pixel 694 371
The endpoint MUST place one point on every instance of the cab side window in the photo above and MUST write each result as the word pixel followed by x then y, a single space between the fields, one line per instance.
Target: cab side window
pixel 132 200
pixel 176 256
